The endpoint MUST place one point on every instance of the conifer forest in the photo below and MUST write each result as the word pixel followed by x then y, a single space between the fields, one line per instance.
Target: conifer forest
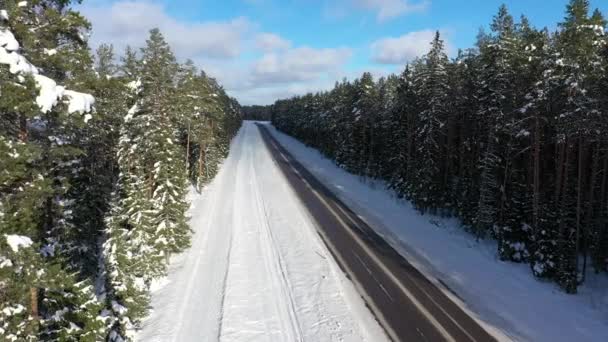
pixel 510 136
pixel 93 181
pixel 102 148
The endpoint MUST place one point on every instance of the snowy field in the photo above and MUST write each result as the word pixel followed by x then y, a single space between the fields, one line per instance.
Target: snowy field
pixel 257 270
pixel 503 295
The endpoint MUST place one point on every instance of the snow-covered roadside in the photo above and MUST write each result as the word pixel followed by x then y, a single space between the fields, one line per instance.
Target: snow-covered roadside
pixel 256 271
pixel 503 295
pixel 187 305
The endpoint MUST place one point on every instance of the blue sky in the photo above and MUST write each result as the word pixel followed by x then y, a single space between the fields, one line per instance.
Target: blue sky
pixel 261 50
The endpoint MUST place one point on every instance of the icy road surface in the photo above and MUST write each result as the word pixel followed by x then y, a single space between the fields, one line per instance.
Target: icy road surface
pixel 257 270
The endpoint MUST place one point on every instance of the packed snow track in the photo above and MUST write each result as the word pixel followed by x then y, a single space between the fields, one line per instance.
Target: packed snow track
pixel 257 269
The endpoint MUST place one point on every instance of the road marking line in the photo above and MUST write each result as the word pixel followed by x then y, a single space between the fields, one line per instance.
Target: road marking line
pixel 385 291
pixel 417 285
pixel 372 275
pixel 362 262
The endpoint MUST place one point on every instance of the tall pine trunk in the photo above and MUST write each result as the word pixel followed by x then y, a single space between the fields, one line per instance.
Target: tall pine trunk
pixel 561 153
pixel 579 195
pixel 188 151
pixel 536 176
pixel 23 137
pixel 34 303
pixel 568 261
pixel 201 164
pixel 448 155
pixel 589 222
pixel 410 150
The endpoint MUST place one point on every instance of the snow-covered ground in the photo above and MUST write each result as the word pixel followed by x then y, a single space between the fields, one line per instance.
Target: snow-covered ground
pixel 257 270
pixel 503 295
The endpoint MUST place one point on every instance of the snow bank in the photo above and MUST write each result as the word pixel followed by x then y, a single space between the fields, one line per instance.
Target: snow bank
pixel 502 295
pixel 49 92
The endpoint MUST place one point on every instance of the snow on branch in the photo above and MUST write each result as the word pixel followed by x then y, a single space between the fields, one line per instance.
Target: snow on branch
pixel 49 92
pixel 17 241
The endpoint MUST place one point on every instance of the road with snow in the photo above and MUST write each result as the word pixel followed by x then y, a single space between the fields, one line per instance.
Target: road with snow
pixel 409 306
pixel 257 270
pixel 277 257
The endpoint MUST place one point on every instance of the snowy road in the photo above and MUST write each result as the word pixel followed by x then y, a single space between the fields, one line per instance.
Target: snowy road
pixel 409 306
pixel 257 270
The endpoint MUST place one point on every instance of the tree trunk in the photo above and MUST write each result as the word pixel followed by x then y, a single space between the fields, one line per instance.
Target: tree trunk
pixel 151 183
pixel 589 212
pixel 34 303
pixel 201 164
pixel 536 176
pixel 23 132
pixel 561 152
pixel 604 188
pixel 410 148
pixel 448 154
pixel 579 194
pixel 564 236
pixel 188 151
pixel 563 185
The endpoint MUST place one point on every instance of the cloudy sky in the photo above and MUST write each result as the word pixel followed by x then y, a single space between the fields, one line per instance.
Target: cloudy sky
pixel 262 50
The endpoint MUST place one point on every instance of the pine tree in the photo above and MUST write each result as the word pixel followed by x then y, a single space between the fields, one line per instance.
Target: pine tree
pixel 147 222
pixel 365 112
pixel 496 102
pixel 404 116
pixel 41 123
pixel 433 97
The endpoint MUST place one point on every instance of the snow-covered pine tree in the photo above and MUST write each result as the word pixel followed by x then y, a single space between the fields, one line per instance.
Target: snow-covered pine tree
pixel 496 102
pixel 343 109
pixel 42 125
pixel 163 157
pixel 385 127
pixel 147 222
pixel 433 96
pixel 464 84
pixel 599 226
pixel 404 115
pixel 579 43
pixel 364 114
pixel 200 102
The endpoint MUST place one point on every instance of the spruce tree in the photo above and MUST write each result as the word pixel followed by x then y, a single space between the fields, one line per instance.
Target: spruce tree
pixel 433 92
pixel 42 122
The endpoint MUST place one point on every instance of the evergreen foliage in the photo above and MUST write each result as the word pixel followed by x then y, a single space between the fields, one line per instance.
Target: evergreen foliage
pixel 510 137
pixel 93 182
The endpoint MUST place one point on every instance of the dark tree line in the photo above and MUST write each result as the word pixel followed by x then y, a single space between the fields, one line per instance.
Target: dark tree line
pixel 255 112
pixel 510 136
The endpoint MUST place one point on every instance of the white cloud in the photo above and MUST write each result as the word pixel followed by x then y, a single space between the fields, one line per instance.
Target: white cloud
pixel 281 74
pixel 298 64
pixel 388 9
pixel 128 22
pixel 385 9
pixel 254 66
pixel 405 48
pixel 268 95
pixel 269 42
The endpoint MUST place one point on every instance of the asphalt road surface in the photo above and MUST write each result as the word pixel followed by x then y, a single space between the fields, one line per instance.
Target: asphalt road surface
pixel 408 306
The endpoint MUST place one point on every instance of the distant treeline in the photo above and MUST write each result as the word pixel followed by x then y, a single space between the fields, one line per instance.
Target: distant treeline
pixel 260 113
